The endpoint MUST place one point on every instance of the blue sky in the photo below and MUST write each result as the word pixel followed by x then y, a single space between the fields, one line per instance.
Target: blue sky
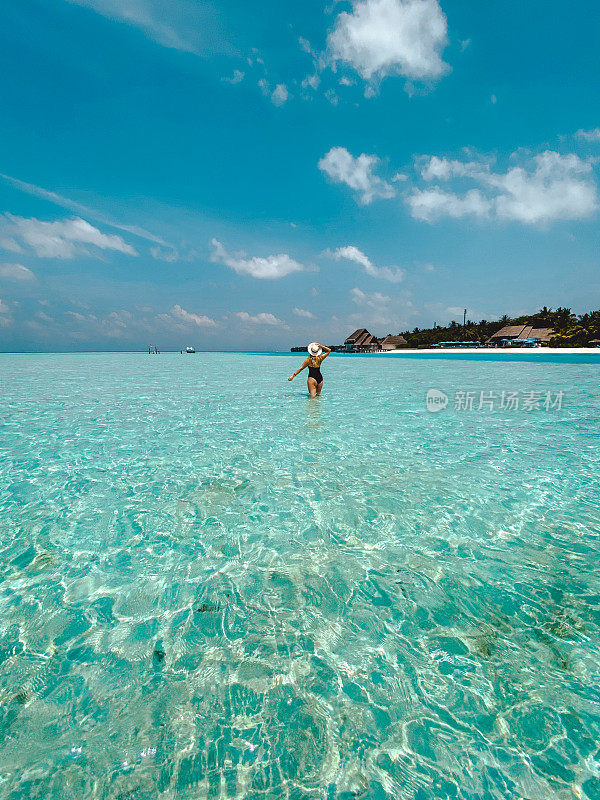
pixel 235 175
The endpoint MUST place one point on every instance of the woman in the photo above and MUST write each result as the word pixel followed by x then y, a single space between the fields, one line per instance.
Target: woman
pixel 317 353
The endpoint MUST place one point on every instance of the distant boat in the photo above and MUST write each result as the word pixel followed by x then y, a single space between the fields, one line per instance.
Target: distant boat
pixel 190 350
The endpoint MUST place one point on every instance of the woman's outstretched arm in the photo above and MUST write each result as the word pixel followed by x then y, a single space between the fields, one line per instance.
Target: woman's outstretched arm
pixel 291 378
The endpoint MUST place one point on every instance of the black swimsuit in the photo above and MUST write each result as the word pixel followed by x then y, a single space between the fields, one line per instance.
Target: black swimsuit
pixel 315 372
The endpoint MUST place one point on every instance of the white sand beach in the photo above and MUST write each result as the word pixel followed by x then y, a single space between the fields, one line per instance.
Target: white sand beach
pixel 501 352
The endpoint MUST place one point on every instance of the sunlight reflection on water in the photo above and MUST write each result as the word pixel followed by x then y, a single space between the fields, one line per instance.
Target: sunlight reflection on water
pixel 213 586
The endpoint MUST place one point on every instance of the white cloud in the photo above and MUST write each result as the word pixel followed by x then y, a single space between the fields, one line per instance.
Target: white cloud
pixel 301 312
pixel 9 244
pixel 352 253
pixel 280 94
pixel 436 168
pixel 120 324
pixel 187 25
pixel 237 77
pixel 200 320
pixel 263 318
pixel 390 37
pixel 559 187
pixel 431 204
pixel 4 309
pixel 379 313
pixel 592 135
pixel 311 80
pixel 268 268
pixel 138 326
pixel 82 317
pixel 80 210
pixel 135 325
pixel 170 256
pixel 357 173
pixel 373 299
pixel 16 272
pixel 550 187
pixel 62 238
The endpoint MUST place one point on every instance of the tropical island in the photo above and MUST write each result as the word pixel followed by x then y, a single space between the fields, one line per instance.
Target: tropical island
pixel 549 327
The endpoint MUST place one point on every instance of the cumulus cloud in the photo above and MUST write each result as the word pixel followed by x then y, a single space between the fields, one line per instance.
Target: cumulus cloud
pixel 431 204
pixel 121 324
pixel 391 37
pixel 134 325
pixel 279 95
pixel 311 80
pixel 436 168
pixel 237 77
pixel 372 299
pixel 263 318
pixel 264 268
pixel 352 253
pixel 548 188
pixel 592 135
pixel 60 239
pixel 16 272
pixel 301 312
pixel 193 319
pixel 357 173
pixel 559 187
pixel 137 326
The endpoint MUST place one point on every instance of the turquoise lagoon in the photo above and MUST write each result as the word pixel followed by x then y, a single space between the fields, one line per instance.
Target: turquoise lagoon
pixel 214 587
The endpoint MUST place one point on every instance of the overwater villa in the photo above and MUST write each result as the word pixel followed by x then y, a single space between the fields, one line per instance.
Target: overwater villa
pixel 361 341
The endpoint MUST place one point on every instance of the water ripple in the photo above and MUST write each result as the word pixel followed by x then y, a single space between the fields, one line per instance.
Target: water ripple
pixel 211 586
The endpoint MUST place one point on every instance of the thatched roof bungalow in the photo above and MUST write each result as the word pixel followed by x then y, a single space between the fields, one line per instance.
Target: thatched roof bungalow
pixel 393 342
pixel 361 341
pixel 520 332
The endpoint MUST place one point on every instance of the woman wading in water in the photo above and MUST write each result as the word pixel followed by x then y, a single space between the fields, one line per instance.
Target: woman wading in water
pixel 317 353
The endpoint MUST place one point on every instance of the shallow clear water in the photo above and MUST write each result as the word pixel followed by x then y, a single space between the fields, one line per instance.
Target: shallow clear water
pixel 211 586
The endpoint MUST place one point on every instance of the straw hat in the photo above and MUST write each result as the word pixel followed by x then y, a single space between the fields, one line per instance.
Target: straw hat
pixel 314 349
